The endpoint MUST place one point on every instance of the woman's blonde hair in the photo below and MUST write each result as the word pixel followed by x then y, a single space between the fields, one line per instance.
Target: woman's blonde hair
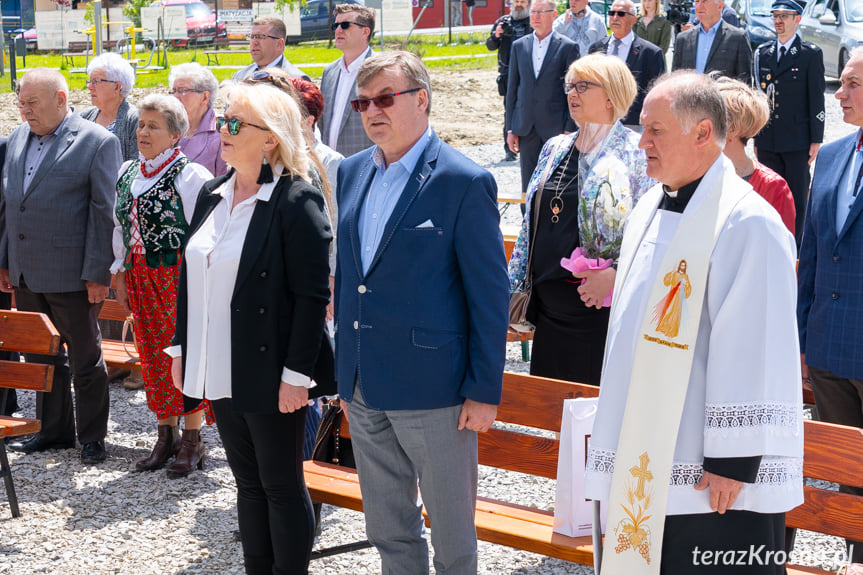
pixel 746 109
pixel 612 74
pixel 280 113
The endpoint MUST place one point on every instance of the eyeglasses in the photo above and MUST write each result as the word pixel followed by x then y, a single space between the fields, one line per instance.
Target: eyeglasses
pixel 251 37
pixel 93 82
pixel 784 15
pixel 538 12
pixel 234 125
pixel 184 91
pixel 347 24
pixel 619 13
pixel 382 101
pixel 580 87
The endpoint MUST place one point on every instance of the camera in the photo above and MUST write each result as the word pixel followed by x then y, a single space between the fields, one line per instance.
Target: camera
pixel 506 26
pixel 679 12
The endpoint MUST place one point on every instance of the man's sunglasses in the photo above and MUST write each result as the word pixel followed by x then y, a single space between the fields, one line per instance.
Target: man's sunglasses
pixel 347 24
pixel 619 13
pixel 234 125
pixel 382 101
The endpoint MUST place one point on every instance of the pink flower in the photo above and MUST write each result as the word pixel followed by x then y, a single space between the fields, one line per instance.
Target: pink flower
pixel 579 262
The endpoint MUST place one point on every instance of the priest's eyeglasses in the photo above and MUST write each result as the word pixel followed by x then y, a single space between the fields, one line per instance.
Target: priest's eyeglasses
pixel 234 125
pixel 382 101
pixel 580 87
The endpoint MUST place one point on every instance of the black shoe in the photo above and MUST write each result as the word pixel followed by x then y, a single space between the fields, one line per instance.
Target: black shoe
pixel 93 452
pixel 36 443
pixel 510 156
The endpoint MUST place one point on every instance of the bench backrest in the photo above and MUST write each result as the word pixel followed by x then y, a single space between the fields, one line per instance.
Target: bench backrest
pixel 27 332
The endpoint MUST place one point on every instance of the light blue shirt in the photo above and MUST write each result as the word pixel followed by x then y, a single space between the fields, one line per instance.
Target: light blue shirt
pixel 384 193
pixel 705 42
pixel 845 197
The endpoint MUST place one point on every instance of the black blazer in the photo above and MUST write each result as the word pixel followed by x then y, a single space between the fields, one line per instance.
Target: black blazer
pixel 730 53
pixel 646 62
pixel 278 308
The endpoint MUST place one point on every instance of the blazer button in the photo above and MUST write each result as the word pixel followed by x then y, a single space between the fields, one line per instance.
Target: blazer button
pixel 361 288
pixel 263 274
pixel 356 325
pixel 261 310
pixel 836 258
pixel 20 236
pixel 835 295
pixel 262 348
pixel 21 209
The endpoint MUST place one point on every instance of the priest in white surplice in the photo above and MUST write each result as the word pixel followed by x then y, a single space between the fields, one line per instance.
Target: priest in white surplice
pixel 698 439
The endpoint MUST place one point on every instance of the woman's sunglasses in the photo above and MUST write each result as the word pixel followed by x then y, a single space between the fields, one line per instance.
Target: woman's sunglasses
pixel 382 101
pixel 234 125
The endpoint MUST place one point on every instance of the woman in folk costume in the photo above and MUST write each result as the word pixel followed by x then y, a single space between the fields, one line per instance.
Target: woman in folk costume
pixel 584 186
pixel 155 201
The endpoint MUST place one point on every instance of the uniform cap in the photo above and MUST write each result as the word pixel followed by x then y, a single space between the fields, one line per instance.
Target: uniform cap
pixel 791 5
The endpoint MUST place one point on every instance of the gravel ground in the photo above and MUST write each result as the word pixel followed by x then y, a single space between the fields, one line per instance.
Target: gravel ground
pixel 107 519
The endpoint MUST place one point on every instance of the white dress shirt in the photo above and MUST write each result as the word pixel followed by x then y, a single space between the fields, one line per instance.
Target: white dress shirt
pixel 540 47
pixel 347 80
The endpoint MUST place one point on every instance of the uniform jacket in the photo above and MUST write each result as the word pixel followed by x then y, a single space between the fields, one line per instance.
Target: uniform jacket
pixel 280 295
pixel 829 276
pixel 425 327
pixel 539 102
pixel 795 89
pixel 57 232
pixel 730 52
pixel 352 135
pixel 646 62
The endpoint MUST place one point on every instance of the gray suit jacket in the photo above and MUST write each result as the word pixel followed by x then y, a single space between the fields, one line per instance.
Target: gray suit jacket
pixel 244 73
pixel 57 233
pixel 352 135
pixel 729 54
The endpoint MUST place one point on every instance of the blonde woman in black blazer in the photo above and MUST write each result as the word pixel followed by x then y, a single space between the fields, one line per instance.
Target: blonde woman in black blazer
pixel 250 319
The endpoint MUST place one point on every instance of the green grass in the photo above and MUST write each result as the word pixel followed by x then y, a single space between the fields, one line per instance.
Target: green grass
pixel 465 52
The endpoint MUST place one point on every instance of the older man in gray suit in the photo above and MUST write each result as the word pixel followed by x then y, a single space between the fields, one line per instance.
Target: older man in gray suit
pixel 55 251
pixel 714 45
pixel 341 127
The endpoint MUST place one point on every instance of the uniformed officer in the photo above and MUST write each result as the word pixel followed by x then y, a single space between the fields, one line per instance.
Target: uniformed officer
pixel 791 73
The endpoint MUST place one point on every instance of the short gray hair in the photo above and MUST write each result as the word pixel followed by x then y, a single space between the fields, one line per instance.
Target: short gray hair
pixel 49 77
pixel 117 69
pixel 695 98
pixel 202 79
pixel 171 109
pixel 408 63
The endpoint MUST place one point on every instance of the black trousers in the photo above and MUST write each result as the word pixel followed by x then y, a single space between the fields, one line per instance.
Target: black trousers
pixel 80 362
pixel 265 451
pixel 529 147
pixel 794 167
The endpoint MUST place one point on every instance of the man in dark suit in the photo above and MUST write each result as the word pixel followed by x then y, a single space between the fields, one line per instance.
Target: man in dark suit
pixel 644 60
pixel 536 107
pixel 791 72
pixel 56 222
pixel 267 48
pixel 421 304
pixel 714 45
pixel 829 300
pixel 341 129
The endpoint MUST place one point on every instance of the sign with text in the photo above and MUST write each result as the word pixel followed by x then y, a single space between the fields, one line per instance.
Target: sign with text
pixel 237 22
pixel 290 15
pixel 56 28
pixel 173 21
pixel 395 16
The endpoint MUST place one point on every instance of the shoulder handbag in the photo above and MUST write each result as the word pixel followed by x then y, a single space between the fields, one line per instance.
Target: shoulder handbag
pixel 330 446
pixel 519 300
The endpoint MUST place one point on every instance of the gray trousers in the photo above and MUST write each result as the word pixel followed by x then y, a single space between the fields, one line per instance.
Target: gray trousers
pixel 395 448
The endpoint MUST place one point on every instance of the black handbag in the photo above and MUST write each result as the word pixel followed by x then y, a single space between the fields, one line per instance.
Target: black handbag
pixel 330 447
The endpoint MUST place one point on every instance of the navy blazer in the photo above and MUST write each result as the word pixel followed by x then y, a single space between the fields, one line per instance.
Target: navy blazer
pixel 425 327
pixel 830 272
pixel 646 62
pixel 539 103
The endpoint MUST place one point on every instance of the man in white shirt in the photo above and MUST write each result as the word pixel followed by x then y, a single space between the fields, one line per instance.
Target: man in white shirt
pixel 341 127
pixel 267 46
pixel 581 25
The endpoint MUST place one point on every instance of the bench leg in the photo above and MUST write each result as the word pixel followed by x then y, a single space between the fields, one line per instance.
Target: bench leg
pixel 6 472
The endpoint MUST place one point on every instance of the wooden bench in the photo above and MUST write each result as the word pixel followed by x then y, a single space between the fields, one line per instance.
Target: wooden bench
pixel 113 350
pixel 23 332
pixel 235 46
pixel 83 49
pixel 833 453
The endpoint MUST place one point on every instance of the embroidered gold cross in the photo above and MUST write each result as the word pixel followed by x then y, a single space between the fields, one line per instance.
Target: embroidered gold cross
pixel 641 473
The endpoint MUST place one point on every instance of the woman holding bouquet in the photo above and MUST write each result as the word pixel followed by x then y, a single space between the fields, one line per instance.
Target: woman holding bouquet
pixel 584 186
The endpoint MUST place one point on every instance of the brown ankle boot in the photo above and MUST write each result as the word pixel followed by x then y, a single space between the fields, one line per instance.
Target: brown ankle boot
pixel 190 456
pixel 166 446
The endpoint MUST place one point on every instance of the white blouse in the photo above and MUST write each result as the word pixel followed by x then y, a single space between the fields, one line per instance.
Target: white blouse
pixel 188 182
pixel 212 260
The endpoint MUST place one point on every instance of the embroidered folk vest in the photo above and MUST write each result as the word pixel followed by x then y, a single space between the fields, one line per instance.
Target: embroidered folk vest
pixel 159 210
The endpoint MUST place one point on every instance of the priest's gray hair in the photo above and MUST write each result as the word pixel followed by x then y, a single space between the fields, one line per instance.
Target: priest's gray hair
pixel 695 98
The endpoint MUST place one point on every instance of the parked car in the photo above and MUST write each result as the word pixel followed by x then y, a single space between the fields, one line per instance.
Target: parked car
pixel 315 20
pixel 202 25
pixel 30 38
pixel 757 19
pixel 837 27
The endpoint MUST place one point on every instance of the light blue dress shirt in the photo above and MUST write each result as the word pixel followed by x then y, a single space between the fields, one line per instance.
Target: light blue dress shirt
pixel 845 196
pixel 384 193
pixel 705 42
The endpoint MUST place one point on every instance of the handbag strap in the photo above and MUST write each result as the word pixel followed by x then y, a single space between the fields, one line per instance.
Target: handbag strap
pixel 537 196
pixel 129 326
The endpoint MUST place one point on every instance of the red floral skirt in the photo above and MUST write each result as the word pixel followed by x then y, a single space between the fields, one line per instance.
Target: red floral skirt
pixel 153 299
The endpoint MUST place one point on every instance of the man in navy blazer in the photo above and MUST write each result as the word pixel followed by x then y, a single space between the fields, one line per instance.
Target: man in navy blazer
pixel 422 307
pixel 644 60
pixel 536 106
pixel 830 271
